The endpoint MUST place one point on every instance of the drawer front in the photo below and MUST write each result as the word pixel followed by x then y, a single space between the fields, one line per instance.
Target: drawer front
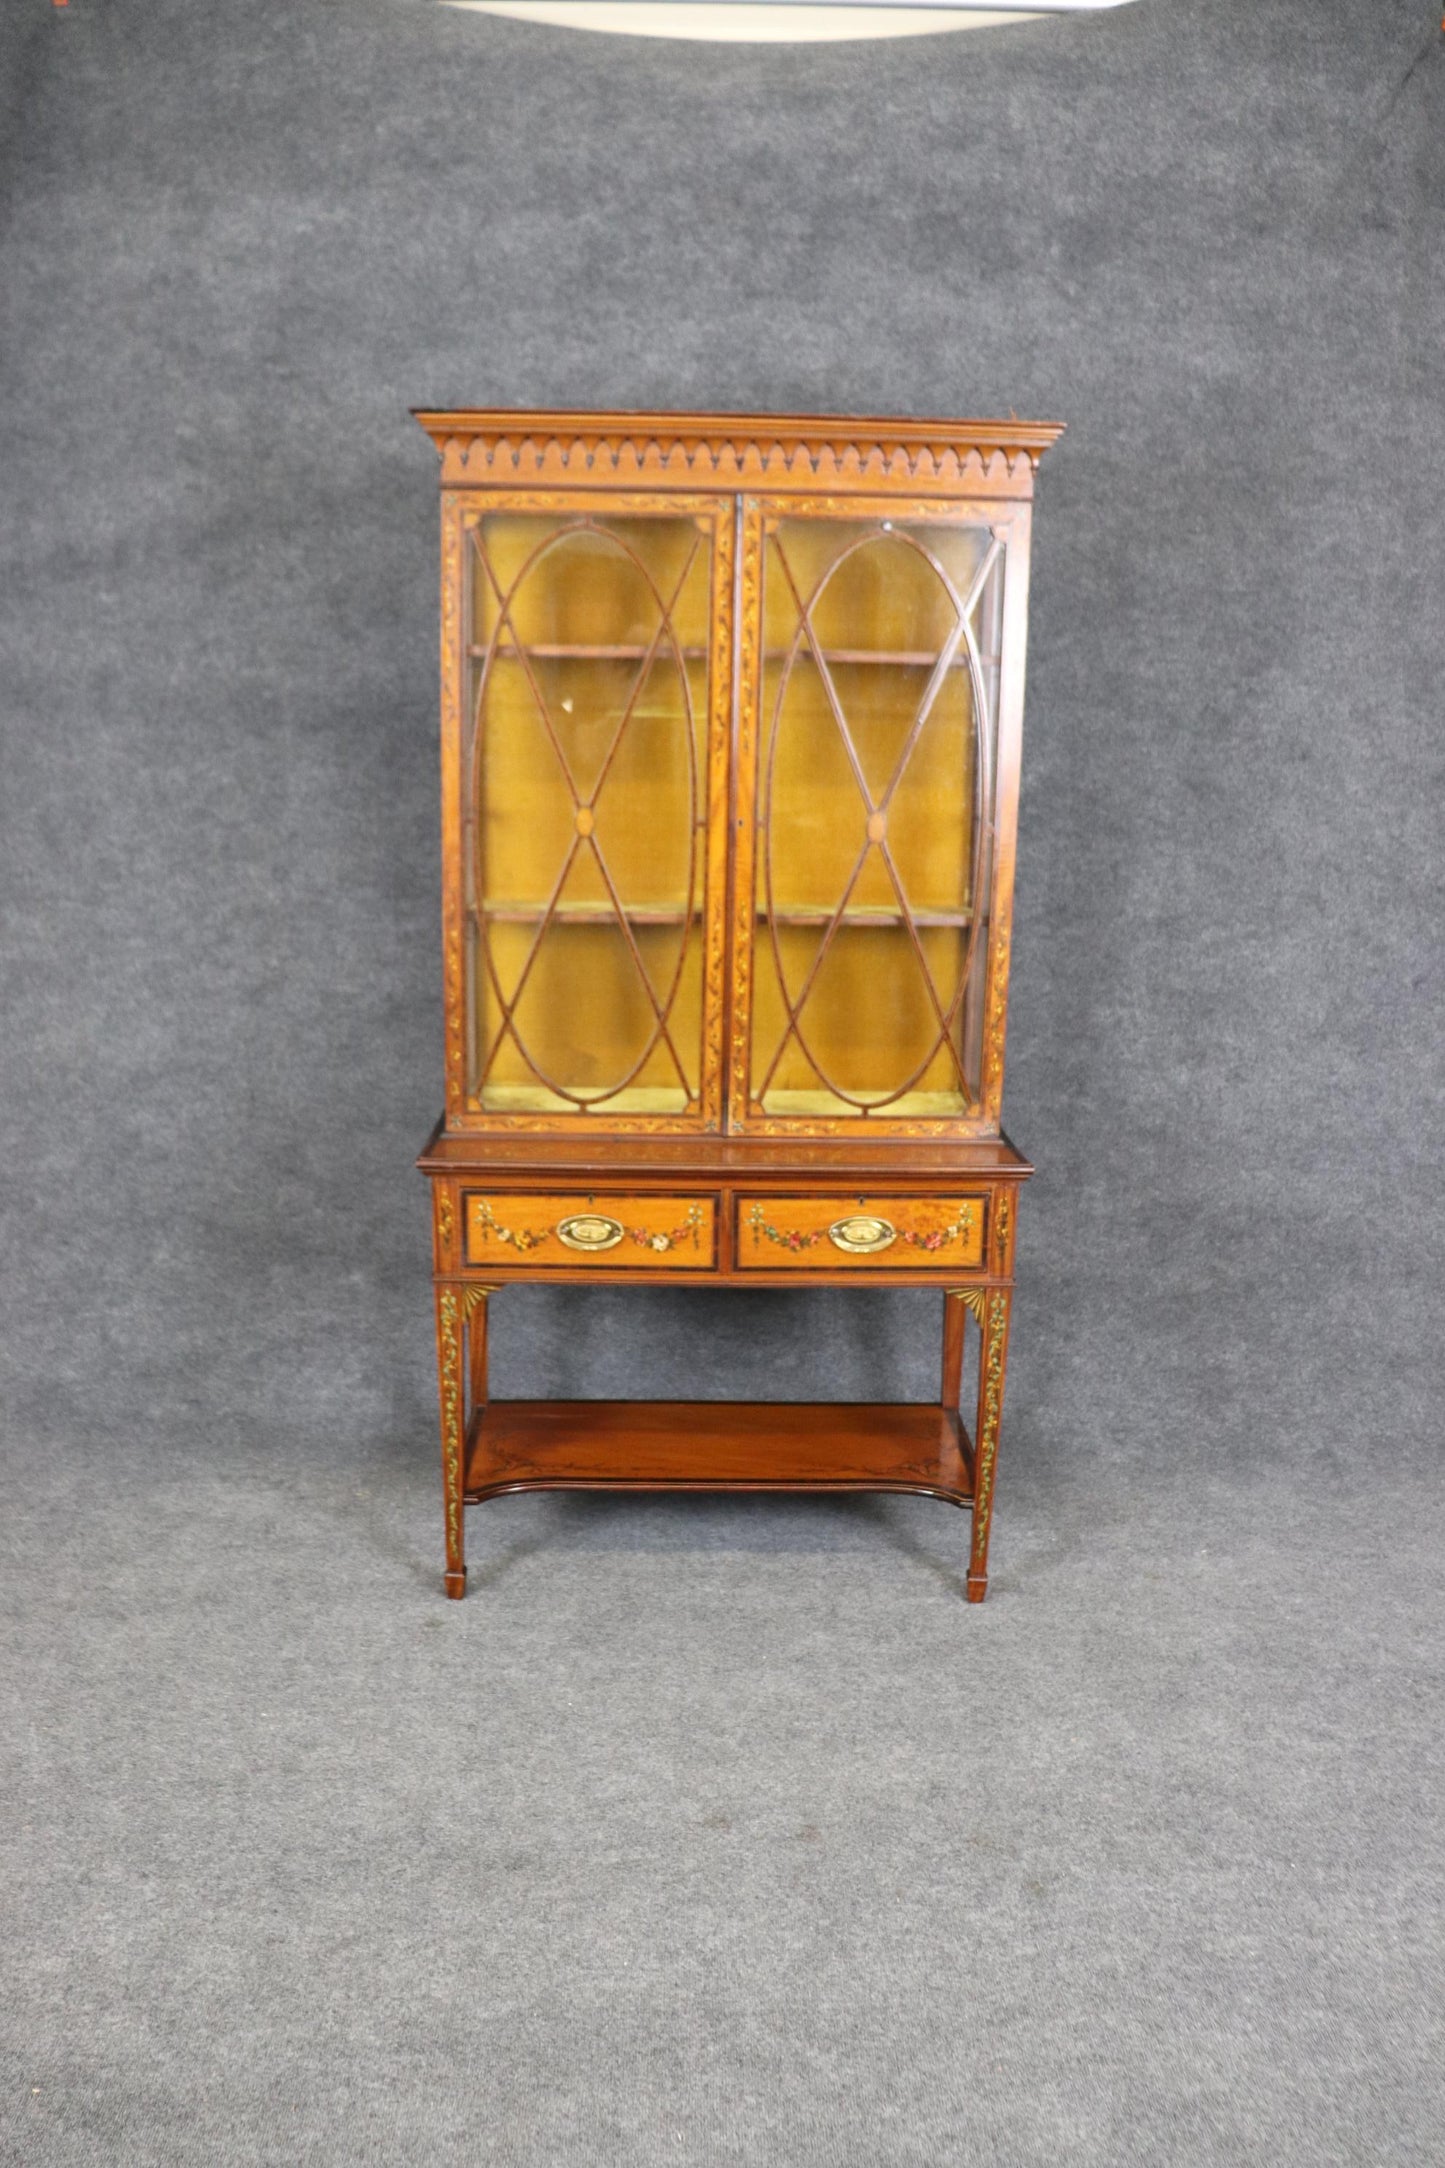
pixel 565 1230
pixel 869 1234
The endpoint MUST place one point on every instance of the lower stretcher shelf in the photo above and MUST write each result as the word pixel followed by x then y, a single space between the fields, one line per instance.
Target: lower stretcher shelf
pixel 717 1445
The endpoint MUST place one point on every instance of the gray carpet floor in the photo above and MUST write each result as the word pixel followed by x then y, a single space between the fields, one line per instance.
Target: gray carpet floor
pixel 713 1831
pixel 720 1831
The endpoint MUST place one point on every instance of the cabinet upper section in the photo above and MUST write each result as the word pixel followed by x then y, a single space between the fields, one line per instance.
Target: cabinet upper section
pixel 505 448
pixel 730 736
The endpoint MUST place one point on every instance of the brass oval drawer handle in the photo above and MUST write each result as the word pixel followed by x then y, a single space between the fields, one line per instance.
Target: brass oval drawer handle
pixel 589 1231
pixel 862 1233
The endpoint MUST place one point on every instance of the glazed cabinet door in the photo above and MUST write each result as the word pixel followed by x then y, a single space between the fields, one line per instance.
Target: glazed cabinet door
pixel 879 700
pixel 590 645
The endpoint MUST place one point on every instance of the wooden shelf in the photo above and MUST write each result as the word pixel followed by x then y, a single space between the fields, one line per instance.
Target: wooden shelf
pixel 587 914
pixel 704 1445
pixel 894 658
pixel 807 914
pixel 583 651
pixel 602 914
pixel 904 658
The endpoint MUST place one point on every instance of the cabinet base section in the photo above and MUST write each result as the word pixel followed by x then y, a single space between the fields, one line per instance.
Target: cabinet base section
pixel 705 1445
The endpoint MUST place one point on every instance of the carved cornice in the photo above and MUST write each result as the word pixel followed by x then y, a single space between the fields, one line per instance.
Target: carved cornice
pixel 503 448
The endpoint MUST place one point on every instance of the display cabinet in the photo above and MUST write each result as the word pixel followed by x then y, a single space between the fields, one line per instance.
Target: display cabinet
pixel 731 716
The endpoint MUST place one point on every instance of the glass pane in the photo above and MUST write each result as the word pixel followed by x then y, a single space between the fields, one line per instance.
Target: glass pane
pixel 585 790
pixel 880 664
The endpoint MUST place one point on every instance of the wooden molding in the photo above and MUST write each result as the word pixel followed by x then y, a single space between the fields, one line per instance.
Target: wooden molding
pixel 502 447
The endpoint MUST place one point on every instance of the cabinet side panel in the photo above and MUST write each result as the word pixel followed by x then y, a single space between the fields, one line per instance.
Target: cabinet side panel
pixel 453 634
pixel 1010 746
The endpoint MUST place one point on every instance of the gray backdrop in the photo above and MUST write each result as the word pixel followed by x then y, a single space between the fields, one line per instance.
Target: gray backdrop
pixel 714 1830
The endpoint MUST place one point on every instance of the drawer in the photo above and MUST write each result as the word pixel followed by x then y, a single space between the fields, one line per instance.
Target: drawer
pixel 869 1234
pixel 565 1229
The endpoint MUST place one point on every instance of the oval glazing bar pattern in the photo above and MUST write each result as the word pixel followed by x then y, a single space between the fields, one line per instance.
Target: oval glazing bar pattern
pixel 586 799
pixel 880 669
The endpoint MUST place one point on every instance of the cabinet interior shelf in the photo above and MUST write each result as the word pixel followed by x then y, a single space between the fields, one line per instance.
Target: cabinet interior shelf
pixel 906 658
pixel 602 914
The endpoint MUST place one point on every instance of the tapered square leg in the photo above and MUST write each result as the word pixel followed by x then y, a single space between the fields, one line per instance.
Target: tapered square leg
pixel 449 1379
pixel 953 1319
pixel 993 1360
